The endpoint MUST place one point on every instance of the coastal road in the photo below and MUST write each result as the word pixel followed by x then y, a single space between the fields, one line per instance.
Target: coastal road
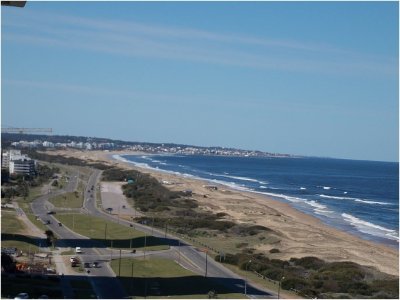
pixel 195 256
pixel 103 279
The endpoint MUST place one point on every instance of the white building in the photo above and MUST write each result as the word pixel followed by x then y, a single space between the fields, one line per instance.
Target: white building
pixel 24 166
pixel 48 144
pixel 8 156
pixel 18 163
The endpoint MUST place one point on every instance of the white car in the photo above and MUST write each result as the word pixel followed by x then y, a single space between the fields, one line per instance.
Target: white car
pixel 72 259
pixel 78 250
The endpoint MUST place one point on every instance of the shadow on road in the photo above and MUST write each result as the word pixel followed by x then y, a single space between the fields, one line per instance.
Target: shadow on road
pixel 135 243
pixel 79 287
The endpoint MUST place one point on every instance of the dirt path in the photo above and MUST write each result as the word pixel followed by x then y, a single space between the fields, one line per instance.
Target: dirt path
pixel 30 228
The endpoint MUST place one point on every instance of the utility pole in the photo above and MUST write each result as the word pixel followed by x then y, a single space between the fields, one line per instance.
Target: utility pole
pixel 144 252
pixel 206 265
pixel 119 267
pixel 132 278
pixel 105 233
pixel 245 281
pixel 118 212
pixel 111 250
pixel 179 251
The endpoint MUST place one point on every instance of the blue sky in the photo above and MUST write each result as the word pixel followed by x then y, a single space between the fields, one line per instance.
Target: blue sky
pixel 306 78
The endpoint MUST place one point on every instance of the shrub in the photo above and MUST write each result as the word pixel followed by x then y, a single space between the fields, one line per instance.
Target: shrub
pixel 294 283
pixel 274 250
pixel 310 262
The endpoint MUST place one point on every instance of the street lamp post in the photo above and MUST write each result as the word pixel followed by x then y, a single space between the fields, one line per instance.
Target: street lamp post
pixel 245 281
pixel 144 252
pixel 132 278
pixel 279 287
pixel 119 265
pixel 105 234
pixel 206 264
pixel 280 281
pixel 179 251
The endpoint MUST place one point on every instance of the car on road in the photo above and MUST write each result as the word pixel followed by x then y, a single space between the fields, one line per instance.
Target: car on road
pixel 86 265
pixel 51 212
pixel 59 224
pixel 95 264
pixel 22 296
pixel 78 250
pixel 73 258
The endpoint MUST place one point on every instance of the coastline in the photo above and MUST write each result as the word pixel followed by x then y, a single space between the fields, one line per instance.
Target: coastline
pixel 300 234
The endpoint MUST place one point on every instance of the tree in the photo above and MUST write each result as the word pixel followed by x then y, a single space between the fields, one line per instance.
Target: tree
pixel 50 237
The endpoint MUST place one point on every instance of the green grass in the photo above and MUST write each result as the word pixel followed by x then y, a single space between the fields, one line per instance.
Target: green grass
pixel 12 233
pixel 68 200
pixel 36 222
pixel 33 194
pixel 10 224
pixel 163 278
pixel 271 285
pixel 94 228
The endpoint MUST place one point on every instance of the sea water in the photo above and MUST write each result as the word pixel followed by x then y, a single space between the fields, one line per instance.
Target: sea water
pixel 359 197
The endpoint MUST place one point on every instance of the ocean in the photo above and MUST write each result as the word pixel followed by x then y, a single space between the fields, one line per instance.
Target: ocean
pixel 359 197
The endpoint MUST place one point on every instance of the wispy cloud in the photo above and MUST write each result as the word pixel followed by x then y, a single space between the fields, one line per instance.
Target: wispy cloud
pixel 174 43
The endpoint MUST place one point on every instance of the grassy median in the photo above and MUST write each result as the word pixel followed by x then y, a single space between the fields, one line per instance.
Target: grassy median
pixel 161 278
pixel 120 236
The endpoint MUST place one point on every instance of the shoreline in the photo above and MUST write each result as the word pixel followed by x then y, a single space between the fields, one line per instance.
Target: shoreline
pixel 301 234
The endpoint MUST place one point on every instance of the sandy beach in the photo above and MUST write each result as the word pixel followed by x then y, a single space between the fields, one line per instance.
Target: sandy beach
pixel 299 234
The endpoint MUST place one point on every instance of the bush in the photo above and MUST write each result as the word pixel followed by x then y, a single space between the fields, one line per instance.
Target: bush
pixel 274 250
pixel 310 262
pixel 294 283
pixel 273 273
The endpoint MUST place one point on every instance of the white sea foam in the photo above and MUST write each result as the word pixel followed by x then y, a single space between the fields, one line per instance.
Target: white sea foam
pixel 289 198
pixel 302 188
pixel 263 187
pixel 326 187
pixel 344 192
pixel 241 178
pixel 354 199
pixel 370 228
pixel 337 198
pixel 372 202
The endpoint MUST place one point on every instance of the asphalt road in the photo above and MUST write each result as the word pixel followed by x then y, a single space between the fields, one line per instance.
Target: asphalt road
pixel 215 270
pixel 103 279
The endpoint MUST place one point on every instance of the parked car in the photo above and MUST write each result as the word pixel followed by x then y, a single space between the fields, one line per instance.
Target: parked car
pixel 78 250
pixel 59 224
pixel 22 296
pixel 95 264
pixel 73 258
pixel 86 265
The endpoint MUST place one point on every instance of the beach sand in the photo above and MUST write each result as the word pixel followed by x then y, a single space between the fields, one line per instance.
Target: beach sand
pixel 299 234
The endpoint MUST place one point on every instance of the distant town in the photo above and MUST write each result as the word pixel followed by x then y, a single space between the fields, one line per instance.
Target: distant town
pixel 18 141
